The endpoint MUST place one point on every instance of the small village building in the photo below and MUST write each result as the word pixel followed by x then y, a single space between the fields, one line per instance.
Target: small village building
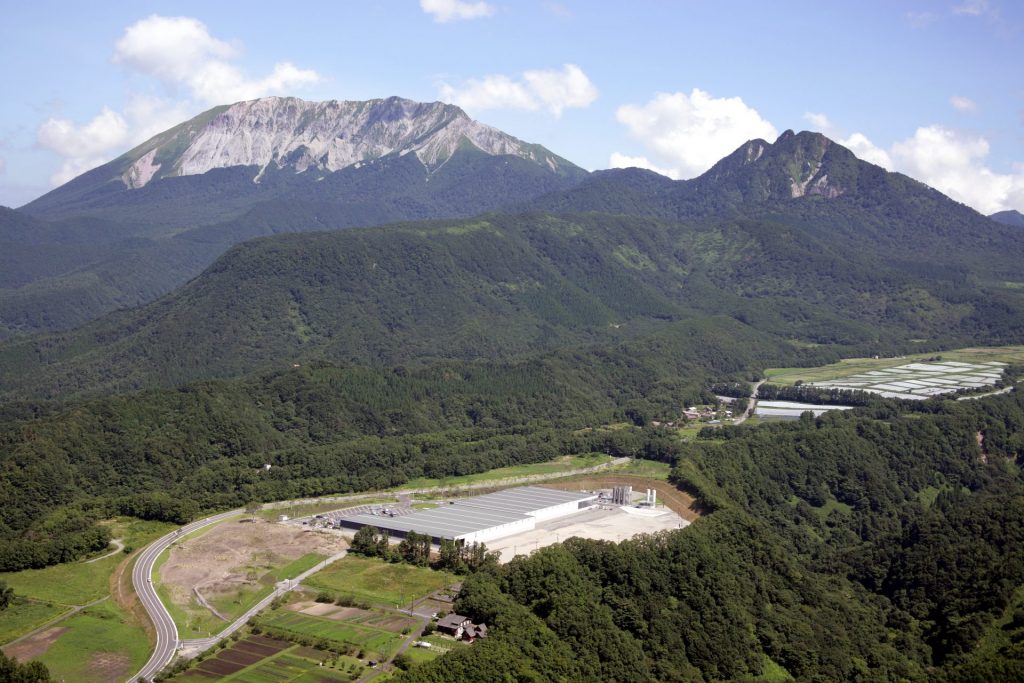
pixel 453 625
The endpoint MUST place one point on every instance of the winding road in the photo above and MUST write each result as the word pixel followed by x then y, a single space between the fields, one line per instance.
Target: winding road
pixel 142 581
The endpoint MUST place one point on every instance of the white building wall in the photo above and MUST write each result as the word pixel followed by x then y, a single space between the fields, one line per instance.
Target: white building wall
pixel 557 510
pixel 500 531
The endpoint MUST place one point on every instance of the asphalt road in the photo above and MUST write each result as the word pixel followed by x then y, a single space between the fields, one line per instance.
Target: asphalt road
pixel 142 580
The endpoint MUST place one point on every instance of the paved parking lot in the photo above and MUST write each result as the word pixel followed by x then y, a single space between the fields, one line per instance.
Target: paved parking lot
pixel 614 524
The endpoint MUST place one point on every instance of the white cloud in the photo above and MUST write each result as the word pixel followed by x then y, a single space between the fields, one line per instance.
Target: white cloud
pixel 972 8
pixel 551 89
pixel 444 11
pixel 819 121
pixel 962 103
pixel 83 147
pixel 181 53
pixel 953 162
pixel 859 144
pixel 689 133
pixel 921 19
pixel 193 65
pixel 622 161
pixel 558 90
pixel 3 165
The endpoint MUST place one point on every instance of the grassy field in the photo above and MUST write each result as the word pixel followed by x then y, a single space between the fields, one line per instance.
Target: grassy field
pixel 376 581
pixel 296 567
pixel 79 583
pixel 853 366
pixel 561 464
pixel 643 468
pixel 100 645
pixel 24 615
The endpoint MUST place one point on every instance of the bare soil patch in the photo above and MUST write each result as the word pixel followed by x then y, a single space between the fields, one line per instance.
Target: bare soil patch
pixel 219 667
pixel 392 623
pixel 34 646
pixel 236 656
pixel 109 666
pixel 233 555
pixel 255 648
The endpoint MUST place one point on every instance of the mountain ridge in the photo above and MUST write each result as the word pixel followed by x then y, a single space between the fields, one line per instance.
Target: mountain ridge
pixel 305 136
pixel 97 244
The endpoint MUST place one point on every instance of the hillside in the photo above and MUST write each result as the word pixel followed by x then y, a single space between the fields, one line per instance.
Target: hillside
pixel 1010 217
pixel 817 186
pixel 505 287
pixel 150 220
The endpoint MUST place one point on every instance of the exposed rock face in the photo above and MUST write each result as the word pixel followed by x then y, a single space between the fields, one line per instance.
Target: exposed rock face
pixel 327 136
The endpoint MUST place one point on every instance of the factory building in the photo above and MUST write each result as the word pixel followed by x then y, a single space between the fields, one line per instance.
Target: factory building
pixel 481 518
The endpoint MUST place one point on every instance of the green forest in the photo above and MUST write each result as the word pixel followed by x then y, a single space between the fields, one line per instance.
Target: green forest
pixel 873 545
pixel 323 429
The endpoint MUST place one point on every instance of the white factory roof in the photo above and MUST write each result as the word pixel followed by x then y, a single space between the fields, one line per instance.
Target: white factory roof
pixel 524 499
pixel 447 521
pixel 468 515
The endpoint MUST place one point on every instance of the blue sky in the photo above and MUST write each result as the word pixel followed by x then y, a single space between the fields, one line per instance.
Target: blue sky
pixel 931 88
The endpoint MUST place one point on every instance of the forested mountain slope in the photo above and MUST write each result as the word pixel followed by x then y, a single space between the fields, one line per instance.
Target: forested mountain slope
pixel 815 185
pixel 501 287
pixel 325 429
pixel 148 221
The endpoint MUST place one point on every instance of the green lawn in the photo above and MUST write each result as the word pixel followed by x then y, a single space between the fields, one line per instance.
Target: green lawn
pixel 24 615
pixel 560 464
pixel 100 645
pixel 853 366
pixel 296 567
pixel 376 581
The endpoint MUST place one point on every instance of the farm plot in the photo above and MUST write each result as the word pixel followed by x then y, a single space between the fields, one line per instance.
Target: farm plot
pixel 918 381
pixel 258 659
pixel 368 631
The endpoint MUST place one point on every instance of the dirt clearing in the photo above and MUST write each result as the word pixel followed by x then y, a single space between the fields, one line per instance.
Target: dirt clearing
pixel 108 666
pixel 236 555
pixel 34 646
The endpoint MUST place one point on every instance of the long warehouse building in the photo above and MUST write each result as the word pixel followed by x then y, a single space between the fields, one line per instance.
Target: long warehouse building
pixel 480 518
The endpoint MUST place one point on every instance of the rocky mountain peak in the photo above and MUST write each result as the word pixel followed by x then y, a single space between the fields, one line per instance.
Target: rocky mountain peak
pixel 795 165
pixel 287 132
